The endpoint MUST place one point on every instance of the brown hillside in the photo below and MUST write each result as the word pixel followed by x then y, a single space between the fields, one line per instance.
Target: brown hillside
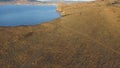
pixel 86 36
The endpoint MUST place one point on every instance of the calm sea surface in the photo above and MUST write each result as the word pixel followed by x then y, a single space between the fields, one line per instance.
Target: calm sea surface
pixel 5 0
pixel 16 15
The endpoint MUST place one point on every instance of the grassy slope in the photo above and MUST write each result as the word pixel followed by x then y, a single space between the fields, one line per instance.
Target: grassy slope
pixel 88 37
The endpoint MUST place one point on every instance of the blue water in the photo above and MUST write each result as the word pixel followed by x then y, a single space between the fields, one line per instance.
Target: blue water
pixel 16 15
pixel 5 0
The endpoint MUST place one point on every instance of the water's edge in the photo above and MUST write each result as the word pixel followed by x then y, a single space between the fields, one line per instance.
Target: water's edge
pixel 38 23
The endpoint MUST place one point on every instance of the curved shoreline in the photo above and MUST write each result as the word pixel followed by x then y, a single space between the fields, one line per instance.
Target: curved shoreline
pixel 51 10
pixel 87 38
pixel 27 3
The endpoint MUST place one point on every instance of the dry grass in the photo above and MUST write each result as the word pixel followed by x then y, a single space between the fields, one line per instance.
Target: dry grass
pixel 88 38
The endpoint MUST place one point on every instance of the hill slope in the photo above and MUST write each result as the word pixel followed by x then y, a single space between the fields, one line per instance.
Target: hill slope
pixel 87 36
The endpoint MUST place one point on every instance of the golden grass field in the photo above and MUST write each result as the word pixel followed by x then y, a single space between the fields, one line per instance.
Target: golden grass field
pixel 86 36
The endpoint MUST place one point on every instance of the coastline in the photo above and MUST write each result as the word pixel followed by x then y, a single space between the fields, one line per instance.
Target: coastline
pixel 86 36
pixel 27 3
pixel 58 13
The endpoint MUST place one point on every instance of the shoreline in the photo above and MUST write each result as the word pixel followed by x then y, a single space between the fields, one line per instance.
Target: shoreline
pixel 33 5
pixel 86 37
pixel 30 3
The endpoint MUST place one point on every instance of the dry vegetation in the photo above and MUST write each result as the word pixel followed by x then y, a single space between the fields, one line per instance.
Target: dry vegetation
pixel 87 36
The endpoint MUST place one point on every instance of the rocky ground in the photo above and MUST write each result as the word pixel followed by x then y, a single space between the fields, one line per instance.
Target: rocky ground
pixel 86 36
